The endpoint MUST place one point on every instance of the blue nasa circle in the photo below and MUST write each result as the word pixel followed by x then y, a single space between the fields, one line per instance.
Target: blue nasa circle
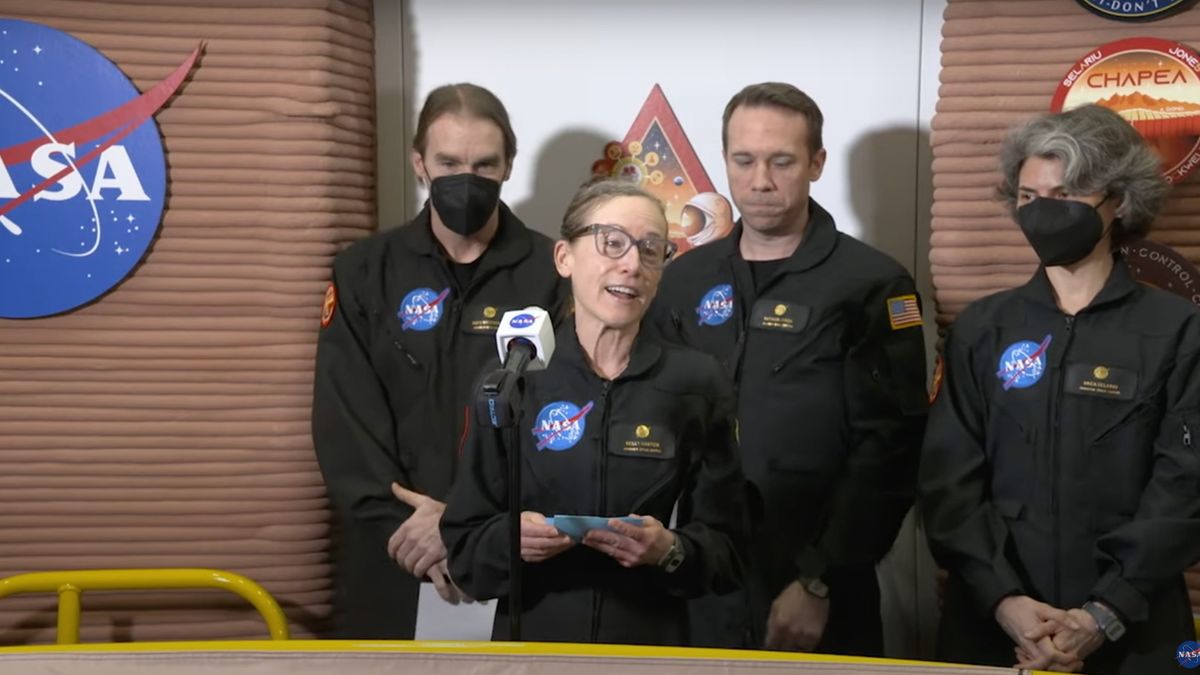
pixel 79 237
pixel 521 321
pixel 1021 365
pixel 560 425
pixel 1188 654
pixel 716 306
pixel 421 309
pixel 1133 10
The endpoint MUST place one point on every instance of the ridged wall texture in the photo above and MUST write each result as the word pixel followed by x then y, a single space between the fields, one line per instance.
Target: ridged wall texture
pixel 167 424
pixel 1002 61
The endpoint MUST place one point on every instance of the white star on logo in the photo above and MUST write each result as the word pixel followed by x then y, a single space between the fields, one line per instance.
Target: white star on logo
pixel 37 49
pixel 130 218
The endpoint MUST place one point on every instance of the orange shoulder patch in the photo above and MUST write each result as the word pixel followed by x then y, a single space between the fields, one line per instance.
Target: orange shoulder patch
pixel 328 306
pixel 938 373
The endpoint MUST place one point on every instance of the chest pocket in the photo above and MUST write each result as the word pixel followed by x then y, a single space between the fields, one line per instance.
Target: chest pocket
pixel 643 467
pixel 1125 424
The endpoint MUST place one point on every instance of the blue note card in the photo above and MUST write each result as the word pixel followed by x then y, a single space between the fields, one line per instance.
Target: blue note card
pixel 577 526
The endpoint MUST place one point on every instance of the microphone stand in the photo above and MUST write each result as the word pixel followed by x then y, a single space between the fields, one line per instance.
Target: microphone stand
pixel 499 406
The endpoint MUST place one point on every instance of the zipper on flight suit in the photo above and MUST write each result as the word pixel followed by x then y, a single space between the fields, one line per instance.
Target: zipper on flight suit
pixel 1056 411
pixel 602 502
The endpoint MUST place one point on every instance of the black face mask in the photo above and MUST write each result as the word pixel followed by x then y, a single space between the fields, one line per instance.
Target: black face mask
pixel 1061 231
pixel 464 201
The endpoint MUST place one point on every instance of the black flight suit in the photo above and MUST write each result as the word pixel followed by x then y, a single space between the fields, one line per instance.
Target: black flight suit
pixel 1062 462
pixel 394 373
pixel 829 362
pixel 662 432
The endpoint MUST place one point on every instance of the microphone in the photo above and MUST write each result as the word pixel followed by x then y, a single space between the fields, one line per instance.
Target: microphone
pixel 525 340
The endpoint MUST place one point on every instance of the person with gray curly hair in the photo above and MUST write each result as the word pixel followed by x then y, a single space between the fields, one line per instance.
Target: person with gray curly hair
pixel 1058 477
pixel 1100 153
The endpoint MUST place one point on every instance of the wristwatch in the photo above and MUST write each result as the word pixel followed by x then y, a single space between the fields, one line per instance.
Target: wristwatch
pixel 1110 624
pixel 673 558
pixel 815 587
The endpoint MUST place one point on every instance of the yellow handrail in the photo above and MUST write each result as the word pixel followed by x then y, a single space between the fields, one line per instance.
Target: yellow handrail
pixel 69 584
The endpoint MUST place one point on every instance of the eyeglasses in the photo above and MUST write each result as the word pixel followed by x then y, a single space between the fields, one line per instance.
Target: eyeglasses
pixel 613 242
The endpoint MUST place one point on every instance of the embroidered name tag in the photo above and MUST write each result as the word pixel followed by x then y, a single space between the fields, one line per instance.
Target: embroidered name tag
pixel 654 441
pixel 779 315
pixel 1089 379
pixel 481 318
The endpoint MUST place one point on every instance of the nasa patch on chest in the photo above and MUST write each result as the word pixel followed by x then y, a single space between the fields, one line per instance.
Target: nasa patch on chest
pixel 421 309
pixel 716 306
pixel 560 425
pixel 1023 363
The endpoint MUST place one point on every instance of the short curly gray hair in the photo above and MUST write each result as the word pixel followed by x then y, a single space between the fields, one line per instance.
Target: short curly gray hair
pixel 1100 152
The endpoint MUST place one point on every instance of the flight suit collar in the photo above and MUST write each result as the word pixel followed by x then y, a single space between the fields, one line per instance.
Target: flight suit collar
pixel 820 238
pixel 510 245
pixel 1119 284
pixel 646 351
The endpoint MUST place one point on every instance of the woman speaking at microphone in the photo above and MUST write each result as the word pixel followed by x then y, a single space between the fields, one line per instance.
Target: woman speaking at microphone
pixel 618 425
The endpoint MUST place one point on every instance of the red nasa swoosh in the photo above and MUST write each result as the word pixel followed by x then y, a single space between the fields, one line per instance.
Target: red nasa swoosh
pixel 428 306
pixel 124 119
pixel 1032 357
pixel 570 422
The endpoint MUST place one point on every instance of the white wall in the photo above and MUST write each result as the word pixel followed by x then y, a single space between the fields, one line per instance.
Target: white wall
pixel 574 74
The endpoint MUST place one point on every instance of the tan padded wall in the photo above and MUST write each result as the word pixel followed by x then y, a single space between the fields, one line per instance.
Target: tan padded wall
pixel 167 425
pixel 1001 63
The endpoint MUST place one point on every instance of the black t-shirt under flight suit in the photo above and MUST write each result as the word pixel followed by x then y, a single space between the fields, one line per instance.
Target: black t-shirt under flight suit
pixel 1062 461
pixel 829 360
pixel 395 368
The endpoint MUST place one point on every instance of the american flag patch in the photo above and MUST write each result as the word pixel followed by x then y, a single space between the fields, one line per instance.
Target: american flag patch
pixel 903 311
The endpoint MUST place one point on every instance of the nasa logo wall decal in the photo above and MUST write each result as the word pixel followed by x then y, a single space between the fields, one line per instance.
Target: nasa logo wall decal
pixel 83 176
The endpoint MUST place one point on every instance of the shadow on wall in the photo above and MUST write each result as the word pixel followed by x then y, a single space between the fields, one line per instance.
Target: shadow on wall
pixel 892 189
pixel 885 181
pixel 562 165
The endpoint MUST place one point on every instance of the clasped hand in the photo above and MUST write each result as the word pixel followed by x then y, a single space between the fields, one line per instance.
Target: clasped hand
pixel 1046 637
